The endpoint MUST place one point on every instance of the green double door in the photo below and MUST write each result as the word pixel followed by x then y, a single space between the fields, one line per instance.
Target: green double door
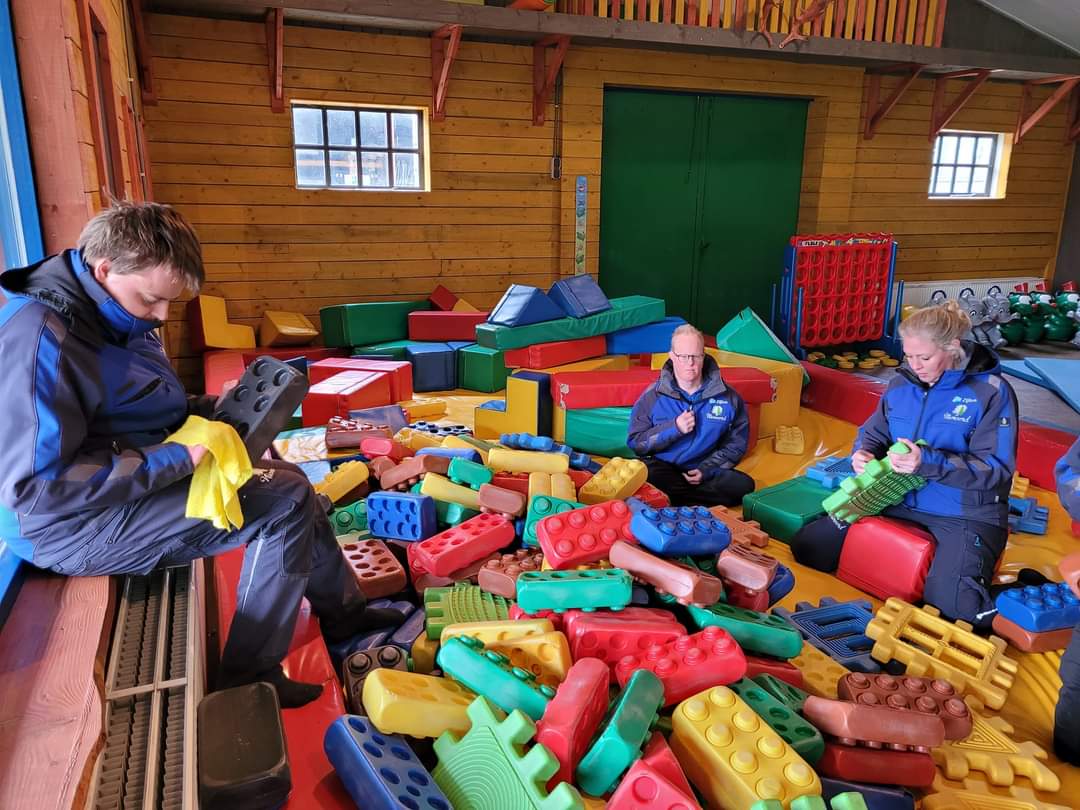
pixel 699 196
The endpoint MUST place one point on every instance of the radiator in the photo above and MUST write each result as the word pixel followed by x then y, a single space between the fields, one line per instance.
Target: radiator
pixel 919 293
pixel 152 688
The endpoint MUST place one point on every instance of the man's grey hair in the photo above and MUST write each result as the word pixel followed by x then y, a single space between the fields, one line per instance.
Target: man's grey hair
pixel 687 329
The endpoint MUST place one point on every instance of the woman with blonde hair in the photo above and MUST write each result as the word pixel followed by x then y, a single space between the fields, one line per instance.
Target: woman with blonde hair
pixel 956 414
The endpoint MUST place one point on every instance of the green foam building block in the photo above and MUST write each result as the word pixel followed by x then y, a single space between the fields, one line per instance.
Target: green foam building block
pixel 791 696
pixel 461 603
pixel 631 310
pixel 349 518
pixel 874 489
pixel 746 333
pixel 801 803
pixel 540 507
pixel 468 473
pixel 792 728
pixel 622 733
pixel 391 350
pixel 452 514
pixel 481 369
pixel 755 632
pixel 487 770
pixel 490 673
pixel 599 431
pixel 567 590
pixel 357 324
pixel 844 801
pixel 784 508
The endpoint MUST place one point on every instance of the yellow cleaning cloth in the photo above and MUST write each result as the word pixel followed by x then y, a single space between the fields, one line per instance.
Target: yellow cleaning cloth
pixel 223 470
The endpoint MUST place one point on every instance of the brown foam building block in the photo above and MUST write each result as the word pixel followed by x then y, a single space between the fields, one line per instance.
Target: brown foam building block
pixel 377 571
pixel 411 470
pixel 689 586
pixel 874 725
pixel 499 574
pixel 928 695
pixel 743 566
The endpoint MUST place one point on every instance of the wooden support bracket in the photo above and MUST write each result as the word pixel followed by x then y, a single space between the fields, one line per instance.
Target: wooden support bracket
pixel 143 54
pixel 875 114
pixel 544 74
pixel 444 48
pixel 1024 122
pixel 940 115
pixel 275 53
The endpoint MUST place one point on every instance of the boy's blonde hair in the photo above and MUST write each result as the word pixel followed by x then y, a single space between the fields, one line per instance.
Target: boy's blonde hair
pixel 687 329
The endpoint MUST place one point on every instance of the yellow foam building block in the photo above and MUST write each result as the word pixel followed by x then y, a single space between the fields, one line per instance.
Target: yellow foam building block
pixel 522 414
pixel 618 479
pixel 972 794
pixel 1019 486
pixel 461 305
pixel 788 440
pixel 527 461
pixel 343 480
pixel 562 486
pixel 539 484
pixel 210 327
pixel 443 489
pixel 418 705
pixel 278 328
pixel 456 442
pixel 545 655
pixel 733 756
pixel 423 408
pixel 784 410
pixel 820 673
pixel 423 653
pixel 558 422
pixel 416 439
pixel 935 647
pixel 492 632
pixel 608 362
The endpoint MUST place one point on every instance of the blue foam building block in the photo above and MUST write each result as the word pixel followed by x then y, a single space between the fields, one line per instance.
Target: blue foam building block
pixel 401 516
pixel 838 629
pixel 522 305
pixel 829 472
pixel 1025 515
pixel 434 366
pixel 877 797
pixel 494 405
pixel 783 582
pixel 390 415
pixel 380 771
pixel 638 595
pixel 578 296
pixel 1021 370
pixel 1052 606
pixel 460 344
pixel 450 452
pixel 408 632
pixel 1062 376
pixel 299 363
pixel 636 504
pixel 649 338
pixel 674 530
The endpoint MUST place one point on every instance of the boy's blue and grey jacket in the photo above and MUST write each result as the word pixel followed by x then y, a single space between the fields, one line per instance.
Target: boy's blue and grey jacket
pixel 721 423
pixel 1067 473
pixel 968 420
pixel 91 397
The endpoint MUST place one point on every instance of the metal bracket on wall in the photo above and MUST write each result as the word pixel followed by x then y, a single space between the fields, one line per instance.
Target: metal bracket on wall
pixel 1024 122
pixel 875 114
pixel 544 74
pixel 143 54
pixel 940 115
pixel 444 48
pixel 275 52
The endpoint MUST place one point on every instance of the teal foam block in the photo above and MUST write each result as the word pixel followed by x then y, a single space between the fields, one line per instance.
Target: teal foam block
pixel 1019 369
pixel 746 333
pixel 1062 376
pixel 375 322
pixel 599 431
pixel 631 310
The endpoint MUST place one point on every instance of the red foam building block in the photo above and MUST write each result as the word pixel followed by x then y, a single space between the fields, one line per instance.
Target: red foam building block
pixel 1075 528
pixel 344 392
pixel 469 541
pixel 579 477
pixel 1038 450
pixel 886 557
pixel 556 353
pixel 760 665
pixel 442 299
pixel 556 619
pixel 851 397
pixel 688 664
pixel 381 447
pixel 310 353
pixel 576 390
pixel 399 371
pixel 518 482
pixel 876 766
pixel 573 716
pixel 651 496
pixel 659 756
pixel 752 384
pixel 645 788
pixel 611 639
pixel 584 535
pixel 438 326
pixel 228 364
pixel 743 597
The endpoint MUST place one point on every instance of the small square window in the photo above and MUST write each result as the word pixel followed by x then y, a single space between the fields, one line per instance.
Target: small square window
pixel 967 164
pixel 360 148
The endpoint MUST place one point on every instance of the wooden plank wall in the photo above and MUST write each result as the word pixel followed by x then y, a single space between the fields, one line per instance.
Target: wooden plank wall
pixel 494 215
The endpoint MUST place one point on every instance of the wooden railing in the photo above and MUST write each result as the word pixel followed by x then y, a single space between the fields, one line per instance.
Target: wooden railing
pixel 913 22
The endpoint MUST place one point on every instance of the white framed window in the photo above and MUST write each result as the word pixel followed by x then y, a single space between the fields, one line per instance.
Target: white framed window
pixel 359 148
pixel 968 165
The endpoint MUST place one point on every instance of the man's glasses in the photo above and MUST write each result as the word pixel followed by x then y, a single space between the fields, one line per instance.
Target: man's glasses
pixel 688 358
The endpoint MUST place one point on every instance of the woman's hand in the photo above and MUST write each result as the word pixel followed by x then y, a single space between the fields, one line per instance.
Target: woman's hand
pixel 196 451
pixel 906 462
pixel 859 459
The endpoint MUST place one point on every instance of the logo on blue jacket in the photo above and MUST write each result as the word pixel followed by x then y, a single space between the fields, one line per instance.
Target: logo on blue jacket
pixel 959 414
pixel 718 409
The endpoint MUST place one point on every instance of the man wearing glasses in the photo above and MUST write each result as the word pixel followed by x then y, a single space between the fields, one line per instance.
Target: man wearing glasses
pixel 691 429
